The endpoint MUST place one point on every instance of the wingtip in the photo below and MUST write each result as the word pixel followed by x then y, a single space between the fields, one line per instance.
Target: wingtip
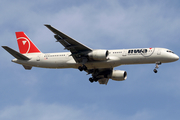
pixel 3 46
pixel 47 25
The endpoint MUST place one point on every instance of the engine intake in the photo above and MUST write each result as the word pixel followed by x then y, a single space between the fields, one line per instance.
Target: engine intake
pixel 118 75
pixel 98 54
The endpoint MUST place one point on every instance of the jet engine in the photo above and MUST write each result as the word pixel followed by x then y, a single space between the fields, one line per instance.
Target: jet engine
pixel 98 54
pixel 118 75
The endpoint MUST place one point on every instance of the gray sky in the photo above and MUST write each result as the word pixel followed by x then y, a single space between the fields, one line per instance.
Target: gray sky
pixel 66 94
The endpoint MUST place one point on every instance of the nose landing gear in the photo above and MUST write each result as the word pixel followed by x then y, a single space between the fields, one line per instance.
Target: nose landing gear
pixel 157 66
pixel 155 70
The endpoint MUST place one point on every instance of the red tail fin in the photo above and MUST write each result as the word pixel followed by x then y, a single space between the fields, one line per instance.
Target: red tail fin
pixel 25 44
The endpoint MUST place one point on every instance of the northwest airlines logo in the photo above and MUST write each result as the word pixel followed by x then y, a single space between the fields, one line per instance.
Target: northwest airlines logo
pixel 24 45
pixel 24 42
pixel 145 52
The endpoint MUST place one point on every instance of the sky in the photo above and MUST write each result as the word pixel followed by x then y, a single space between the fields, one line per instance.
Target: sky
pixel 67 94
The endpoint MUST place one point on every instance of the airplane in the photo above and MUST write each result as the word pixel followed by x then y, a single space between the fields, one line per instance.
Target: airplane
pixel 99 63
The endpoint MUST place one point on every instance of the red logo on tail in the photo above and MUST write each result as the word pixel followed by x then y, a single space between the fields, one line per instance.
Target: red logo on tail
pixel 25 44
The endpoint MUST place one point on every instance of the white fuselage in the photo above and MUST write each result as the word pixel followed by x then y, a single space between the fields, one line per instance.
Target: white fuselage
pixel 115 58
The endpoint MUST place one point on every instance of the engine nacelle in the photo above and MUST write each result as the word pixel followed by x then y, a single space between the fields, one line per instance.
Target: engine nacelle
pixel 118 75
pixel 98 54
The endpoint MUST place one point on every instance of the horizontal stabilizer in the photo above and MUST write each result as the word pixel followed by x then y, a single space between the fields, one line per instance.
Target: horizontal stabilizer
pixel 16 54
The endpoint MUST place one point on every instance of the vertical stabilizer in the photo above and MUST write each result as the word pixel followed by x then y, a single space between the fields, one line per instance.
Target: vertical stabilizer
pixel 25 44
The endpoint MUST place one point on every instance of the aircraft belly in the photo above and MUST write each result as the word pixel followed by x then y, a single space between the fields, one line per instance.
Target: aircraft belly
pixel 136 60
pixel 141 59
pixel 105 64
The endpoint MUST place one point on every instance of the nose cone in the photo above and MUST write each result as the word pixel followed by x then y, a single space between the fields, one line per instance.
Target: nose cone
pixel 176 57
pixel 172 57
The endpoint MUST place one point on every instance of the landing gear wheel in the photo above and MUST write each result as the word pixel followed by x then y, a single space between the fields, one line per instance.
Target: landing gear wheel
pixel 80 68
pixel 84 67
pixel 91 80
pixel 155 71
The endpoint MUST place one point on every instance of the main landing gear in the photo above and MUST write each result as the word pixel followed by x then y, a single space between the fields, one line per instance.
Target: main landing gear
pixel 157 66
pixel 92 79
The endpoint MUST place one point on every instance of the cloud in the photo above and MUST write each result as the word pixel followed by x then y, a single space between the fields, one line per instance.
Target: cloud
pixel 31 111
pixel 119 27
pixel 130 24
pixel 55 111
pixel 43 111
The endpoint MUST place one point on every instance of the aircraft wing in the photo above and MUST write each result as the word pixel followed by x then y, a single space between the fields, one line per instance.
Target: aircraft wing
pixel 69 43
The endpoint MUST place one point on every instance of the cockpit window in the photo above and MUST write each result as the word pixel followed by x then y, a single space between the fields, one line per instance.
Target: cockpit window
pixel 170 51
